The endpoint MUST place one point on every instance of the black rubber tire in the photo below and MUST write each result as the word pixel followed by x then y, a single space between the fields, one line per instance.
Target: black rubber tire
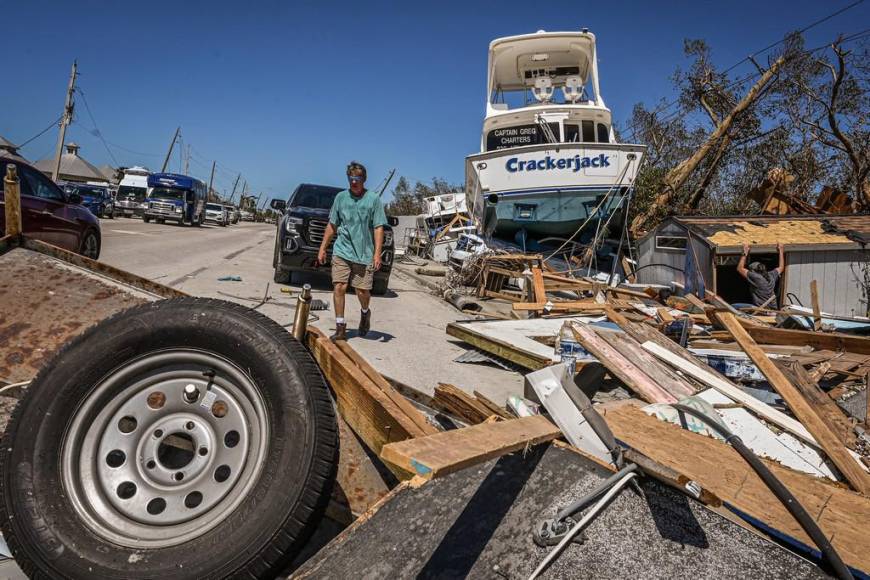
pixel 257 540
pixel 146 219
pixel 380 285
pixel 85 238
pixel 281 276
pixel 160 220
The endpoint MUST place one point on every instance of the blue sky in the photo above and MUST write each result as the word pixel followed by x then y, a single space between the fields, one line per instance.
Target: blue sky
pixel 286 92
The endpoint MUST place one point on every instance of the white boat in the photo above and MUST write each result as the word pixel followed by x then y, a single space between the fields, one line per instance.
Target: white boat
pixel 548 158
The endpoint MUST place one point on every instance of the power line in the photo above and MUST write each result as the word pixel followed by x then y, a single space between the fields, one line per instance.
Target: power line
pixel 41 133
pixel 96 132
pixel 673 102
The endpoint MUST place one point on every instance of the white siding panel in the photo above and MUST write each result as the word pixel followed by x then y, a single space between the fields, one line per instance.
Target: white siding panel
pixel 839 287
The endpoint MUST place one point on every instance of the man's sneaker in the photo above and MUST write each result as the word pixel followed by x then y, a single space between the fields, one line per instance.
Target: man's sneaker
pixel 365 322
pixel 340 332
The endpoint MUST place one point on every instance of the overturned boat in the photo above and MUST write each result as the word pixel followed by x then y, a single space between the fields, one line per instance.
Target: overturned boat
pixel 548 160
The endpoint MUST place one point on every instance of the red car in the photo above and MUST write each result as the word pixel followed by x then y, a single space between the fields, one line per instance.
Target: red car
pixel 50 215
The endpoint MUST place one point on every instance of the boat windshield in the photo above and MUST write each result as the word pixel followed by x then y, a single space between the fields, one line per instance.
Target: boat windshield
pixel 168 193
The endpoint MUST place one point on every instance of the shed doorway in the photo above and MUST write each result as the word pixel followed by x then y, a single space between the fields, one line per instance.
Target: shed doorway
pixel 734 288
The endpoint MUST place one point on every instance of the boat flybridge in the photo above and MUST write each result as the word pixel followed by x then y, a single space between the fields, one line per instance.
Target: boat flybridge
pixel 548 160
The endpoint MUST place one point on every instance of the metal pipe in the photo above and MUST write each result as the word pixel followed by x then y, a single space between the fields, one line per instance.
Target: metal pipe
pixel 12 199
pixel 303 307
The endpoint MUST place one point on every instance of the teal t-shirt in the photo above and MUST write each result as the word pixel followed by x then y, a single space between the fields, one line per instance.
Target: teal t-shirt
pixel 355 219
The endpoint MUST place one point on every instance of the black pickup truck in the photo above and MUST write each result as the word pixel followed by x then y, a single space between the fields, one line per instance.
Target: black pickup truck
pixel 300 231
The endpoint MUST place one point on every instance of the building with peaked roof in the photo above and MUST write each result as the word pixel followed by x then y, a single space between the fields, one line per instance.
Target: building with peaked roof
pixel 72 167
pixel 9 149
pixel 110 173
pixel 701 253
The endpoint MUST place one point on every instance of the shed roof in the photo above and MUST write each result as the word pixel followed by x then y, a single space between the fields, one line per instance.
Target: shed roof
pixel 728 233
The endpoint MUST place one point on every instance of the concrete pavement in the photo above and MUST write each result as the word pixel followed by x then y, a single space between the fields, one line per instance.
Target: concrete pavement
pixel 408 341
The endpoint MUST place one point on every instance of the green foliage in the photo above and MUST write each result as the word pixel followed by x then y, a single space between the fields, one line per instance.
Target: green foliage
pixel 407 200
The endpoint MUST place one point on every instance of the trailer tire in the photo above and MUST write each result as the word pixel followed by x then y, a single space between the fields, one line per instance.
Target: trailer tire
pixel 63 512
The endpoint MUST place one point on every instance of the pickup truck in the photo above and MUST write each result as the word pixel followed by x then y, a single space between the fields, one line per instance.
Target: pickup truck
pixel 300 230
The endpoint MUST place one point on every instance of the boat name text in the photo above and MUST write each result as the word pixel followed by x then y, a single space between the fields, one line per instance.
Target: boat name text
pixel 576 163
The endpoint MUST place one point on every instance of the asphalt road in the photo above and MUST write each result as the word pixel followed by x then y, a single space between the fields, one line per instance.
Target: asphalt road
pixel 408 341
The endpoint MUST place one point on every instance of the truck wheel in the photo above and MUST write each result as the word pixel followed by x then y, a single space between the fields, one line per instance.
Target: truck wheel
pixel 201 443
pixel 146 219
pixel 380 286
pixel 282 276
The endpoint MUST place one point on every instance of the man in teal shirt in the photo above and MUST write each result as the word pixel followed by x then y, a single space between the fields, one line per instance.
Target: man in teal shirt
pixel 357 219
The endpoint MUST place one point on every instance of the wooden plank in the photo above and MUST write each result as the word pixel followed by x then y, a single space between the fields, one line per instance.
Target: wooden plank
pixel 696 302
pixel 633 377
pixel 841 514
pixel 665 314
pixel 567 306
pixel 817 312
pixel 370 413
pixel 801 408
pixel 460 404
pixel 824 406
pixel 711 378
pixel 615 316
pixel 540 292
pixel 652 367
pixel 451 451
pixel 493 407
pixel 818 340
pixel 499 348
pixel 416 417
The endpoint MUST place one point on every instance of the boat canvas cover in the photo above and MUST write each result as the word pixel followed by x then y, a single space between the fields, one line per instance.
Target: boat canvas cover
pixel 512 59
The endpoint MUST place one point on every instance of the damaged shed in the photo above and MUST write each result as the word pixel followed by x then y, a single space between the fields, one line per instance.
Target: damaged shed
pixel 702 254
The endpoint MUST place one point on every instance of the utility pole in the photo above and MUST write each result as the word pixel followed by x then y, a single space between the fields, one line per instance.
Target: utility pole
pixel 169 153
pixel 211 179
pixel 233 194
pixel 65 119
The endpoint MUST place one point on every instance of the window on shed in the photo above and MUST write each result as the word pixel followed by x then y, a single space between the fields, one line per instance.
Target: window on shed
pixel 588 131
pixel 603 133
pixel 672 243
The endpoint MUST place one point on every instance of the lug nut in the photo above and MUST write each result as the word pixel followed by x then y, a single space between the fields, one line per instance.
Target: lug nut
pixel 191 393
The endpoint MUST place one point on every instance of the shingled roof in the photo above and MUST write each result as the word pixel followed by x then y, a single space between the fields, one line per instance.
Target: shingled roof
pixel 72 167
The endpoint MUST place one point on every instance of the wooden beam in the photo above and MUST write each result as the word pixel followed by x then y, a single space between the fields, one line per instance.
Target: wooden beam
pixel 841 514
pixel 422 424
pixel 624 369
pixel 493 407
pixel 499 348
pixel 824 406
pixel 817 312
pixel 665 314
pixel 371 414
pixel 540 292
pixel 457 402
pixel 801 408
pixel 711 378
pixel 451 451
pixel 818 340
pixel 568 305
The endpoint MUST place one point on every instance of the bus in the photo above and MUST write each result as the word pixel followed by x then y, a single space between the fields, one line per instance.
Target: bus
pixel 175 197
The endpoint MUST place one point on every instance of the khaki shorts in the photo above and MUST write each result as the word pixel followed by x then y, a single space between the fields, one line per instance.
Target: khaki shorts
pixel 359 275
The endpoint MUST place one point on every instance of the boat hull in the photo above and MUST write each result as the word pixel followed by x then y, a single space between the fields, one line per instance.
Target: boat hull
pixel 547 189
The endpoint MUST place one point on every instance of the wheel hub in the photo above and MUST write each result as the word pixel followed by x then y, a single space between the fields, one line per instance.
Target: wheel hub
pixel 171 453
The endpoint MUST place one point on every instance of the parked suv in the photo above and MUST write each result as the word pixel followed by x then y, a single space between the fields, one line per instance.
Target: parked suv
pixel 50 214
pixel 300 231
pixel 96 198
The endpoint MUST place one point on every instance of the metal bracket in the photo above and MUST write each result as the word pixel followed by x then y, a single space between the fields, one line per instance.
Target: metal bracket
pixel 550 532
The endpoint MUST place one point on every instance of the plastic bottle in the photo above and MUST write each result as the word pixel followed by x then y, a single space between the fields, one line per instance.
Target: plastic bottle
pixel 567 347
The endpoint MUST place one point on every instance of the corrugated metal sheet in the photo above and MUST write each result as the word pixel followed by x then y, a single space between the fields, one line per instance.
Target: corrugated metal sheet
pixel 837 273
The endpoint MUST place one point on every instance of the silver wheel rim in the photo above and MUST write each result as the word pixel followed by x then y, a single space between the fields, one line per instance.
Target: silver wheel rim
pixel 90 246
pixel 171 454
